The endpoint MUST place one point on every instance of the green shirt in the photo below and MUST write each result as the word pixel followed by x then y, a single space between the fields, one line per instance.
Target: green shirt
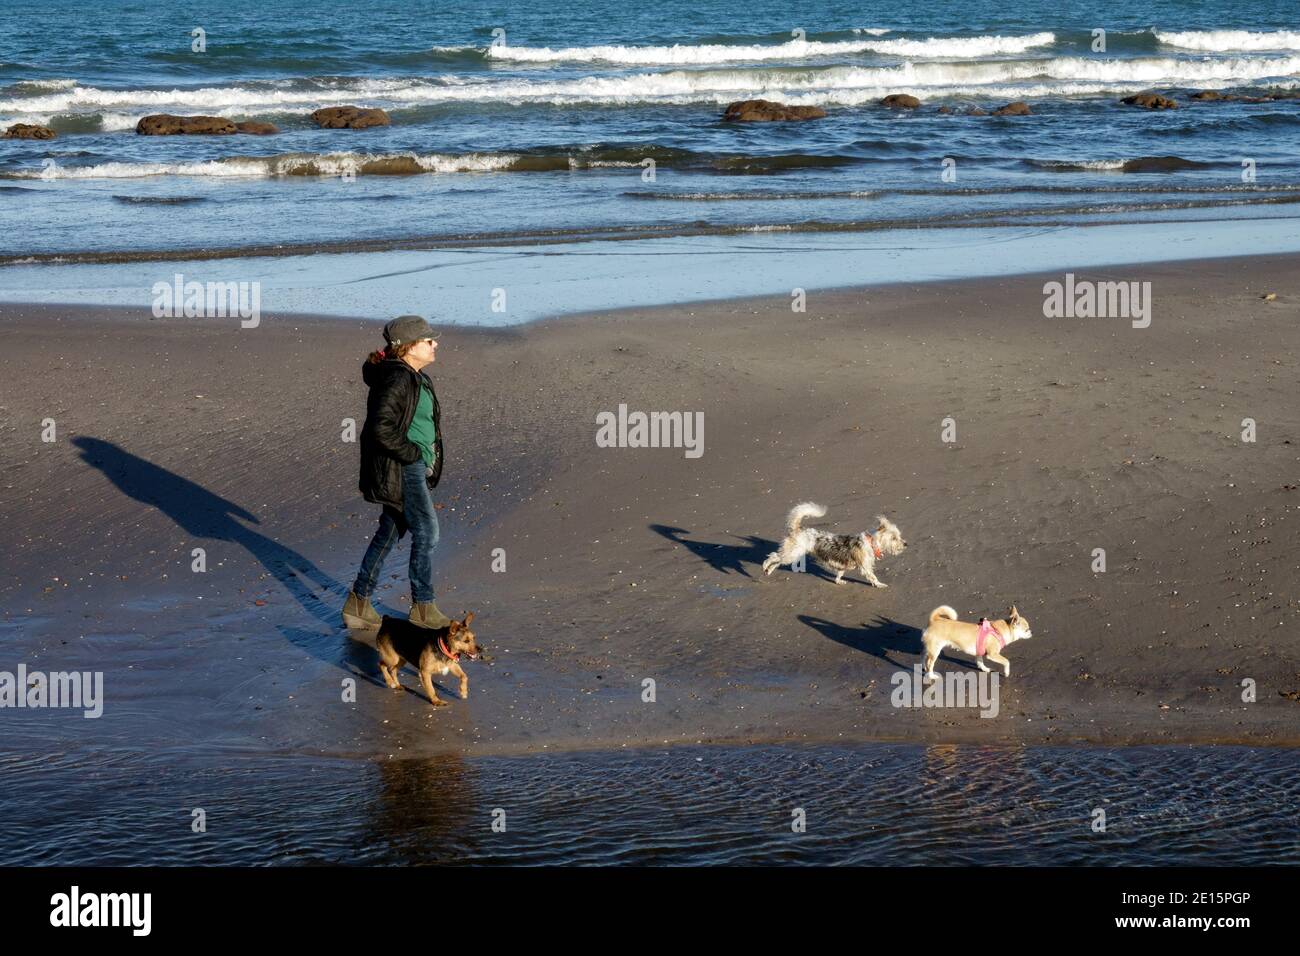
pixel 421 431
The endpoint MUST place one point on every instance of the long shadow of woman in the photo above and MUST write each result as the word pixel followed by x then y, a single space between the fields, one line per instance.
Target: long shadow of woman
pixel 202 514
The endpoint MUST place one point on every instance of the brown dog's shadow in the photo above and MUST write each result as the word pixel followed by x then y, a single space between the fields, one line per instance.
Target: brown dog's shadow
pixel 356 655
pixel 878 638
pixel 445 693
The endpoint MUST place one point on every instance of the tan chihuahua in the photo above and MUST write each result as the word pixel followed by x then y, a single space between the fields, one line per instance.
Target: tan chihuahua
pixel 981 640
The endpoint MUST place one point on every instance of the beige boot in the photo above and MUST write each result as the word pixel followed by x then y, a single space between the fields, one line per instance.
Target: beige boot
pixel 428 615
pixel 358 613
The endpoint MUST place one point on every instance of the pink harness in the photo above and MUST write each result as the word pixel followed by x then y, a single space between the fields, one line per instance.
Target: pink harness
pixel 982 640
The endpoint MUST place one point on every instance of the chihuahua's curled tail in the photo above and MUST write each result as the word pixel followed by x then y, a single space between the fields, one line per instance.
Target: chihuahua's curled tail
pixel 943 611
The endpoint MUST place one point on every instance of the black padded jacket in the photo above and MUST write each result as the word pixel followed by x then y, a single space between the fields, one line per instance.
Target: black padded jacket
pixel 390 406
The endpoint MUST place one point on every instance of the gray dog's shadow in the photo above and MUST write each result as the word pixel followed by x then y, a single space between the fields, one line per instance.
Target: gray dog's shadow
pixel 879 638
pixel 735 558
pixel 723 557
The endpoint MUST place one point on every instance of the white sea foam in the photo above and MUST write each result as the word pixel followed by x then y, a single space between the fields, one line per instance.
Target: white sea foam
pixel 322 164
pixel 114 122
pixel 833 85
pixel 690 54
pixel 1168 70
pixel 1229 41
pixel 1055 76
pixel 972 47
pixel 1098 164
pixel 261 94
pixel 123 170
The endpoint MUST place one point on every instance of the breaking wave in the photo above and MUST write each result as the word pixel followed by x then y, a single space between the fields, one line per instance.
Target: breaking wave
pixel 683 54
pixel 1226 41
pixel 828 86
pixel 1141 164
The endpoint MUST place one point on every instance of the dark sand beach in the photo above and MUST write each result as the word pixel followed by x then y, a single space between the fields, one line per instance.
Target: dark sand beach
pixel 625 564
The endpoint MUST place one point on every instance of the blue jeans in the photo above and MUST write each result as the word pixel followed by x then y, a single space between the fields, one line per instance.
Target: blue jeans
pixel 421 520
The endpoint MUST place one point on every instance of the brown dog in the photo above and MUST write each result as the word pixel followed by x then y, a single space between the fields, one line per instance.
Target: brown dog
pixel 428 650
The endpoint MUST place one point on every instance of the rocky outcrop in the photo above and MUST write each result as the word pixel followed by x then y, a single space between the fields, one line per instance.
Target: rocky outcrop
pixel 765 111
pixel 1214 96
pixel 28 131
pixel 976 111
pixel 349 117
pixel 900 101
pixel 255 128
pixel 1150 101
pixel 164 124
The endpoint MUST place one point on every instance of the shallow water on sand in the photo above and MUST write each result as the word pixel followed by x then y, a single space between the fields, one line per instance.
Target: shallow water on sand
pixel 601 276
pixel 864 805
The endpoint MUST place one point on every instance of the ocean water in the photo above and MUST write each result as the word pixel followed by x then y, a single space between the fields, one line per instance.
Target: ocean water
pixel 516 124
pixel 881 805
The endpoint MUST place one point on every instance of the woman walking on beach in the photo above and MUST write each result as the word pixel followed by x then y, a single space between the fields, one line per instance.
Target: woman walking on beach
pixel 401 462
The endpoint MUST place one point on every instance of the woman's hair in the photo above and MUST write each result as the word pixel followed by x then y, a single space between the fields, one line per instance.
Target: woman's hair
pixel 392 351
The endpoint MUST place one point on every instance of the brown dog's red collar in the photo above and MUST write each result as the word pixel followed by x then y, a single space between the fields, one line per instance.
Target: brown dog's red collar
pixel 443 648
pixel 874 547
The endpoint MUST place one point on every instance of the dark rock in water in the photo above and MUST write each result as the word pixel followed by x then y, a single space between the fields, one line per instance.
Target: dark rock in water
pixel 1283 95
pixel 255 128
pixel 976 111
pixel 900 101
pixel 28 131
pixel 1018 108
pixel 765 111
pixel 1211 96
pixel 1150 101
pixel 349 117
pixel 1161 164
pixel 945 109
pixel 164 124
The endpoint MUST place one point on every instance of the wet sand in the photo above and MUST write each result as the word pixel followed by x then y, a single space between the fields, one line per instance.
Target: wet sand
pixel 626 564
